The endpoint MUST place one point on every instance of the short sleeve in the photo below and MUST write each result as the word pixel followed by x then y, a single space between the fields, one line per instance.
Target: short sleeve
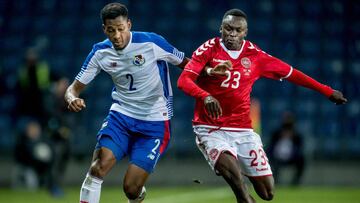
pixel 165 51
pixel 89 69
pixel 273 68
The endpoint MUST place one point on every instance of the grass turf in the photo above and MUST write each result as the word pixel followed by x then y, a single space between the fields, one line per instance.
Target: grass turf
pixel 194 194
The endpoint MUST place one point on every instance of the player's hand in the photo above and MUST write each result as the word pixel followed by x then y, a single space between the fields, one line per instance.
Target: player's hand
pixel 338 98
pixel 76 105
pixel 212 107
pixel 221 69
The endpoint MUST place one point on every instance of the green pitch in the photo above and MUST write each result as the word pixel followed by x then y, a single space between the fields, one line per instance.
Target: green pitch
pixel 194 194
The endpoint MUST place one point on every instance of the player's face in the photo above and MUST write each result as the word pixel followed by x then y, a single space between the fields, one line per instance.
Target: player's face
pixel 118 31
pixel 233 30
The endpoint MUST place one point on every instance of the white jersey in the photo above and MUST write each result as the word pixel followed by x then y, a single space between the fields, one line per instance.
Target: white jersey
pixel 140 74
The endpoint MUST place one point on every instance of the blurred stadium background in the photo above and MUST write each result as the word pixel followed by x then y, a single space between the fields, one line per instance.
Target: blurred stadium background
pixel 321 38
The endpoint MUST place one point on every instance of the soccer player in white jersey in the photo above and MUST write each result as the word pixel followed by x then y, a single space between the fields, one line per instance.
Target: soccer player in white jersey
pixel 222 112
pixel 138 122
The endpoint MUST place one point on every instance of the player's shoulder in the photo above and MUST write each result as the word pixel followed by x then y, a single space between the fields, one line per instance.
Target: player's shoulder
pixel 212 42
pixel 207 46
pixel 102 45
pixel 143 37
pixel 252 47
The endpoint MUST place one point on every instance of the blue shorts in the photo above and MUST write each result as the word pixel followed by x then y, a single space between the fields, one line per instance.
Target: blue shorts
pixel 143 141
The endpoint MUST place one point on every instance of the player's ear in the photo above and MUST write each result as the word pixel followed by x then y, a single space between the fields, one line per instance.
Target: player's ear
pixel 129 24
pixel 220 30
pixel 103 27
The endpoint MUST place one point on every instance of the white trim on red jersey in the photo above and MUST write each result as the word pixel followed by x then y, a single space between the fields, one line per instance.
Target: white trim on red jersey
pixel 288 75
pixel 224 128
pixel 191 71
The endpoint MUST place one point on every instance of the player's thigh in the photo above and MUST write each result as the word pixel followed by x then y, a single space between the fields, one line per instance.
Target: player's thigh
pixel 227 165
pixel 102 163
pixel 114 135
pixel 145 152
pixel 147 148
pixel 106 153
pixel 251 155
pixel 212 145
pixel 110 148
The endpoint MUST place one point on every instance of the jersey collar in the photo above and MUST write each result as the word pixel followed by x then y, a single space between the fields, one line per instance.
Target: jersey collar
pixel 231 53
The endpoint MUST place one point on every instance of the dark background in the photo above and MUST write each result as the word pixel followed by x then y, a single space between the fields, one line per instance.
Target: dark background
pixel 320 38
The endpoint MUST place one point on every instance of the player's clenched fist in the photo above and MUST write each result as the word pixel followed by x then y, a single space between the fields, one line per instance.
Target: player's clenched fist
pixel 338 98
pixel 76 105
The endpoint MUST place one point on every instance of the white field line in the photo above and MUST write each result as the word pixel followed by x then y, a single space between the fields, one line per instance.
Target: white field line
pixel 195 196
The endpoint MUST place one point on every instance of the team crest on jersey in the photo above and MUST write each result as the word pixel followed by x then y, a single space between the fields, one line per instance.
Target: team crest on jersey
pixel 213 154
pixel 139 60
pixel 246 62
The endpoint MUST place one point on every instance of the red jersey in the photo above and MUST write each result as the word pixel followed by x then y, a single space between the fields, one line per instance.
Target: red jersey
pixel 233 91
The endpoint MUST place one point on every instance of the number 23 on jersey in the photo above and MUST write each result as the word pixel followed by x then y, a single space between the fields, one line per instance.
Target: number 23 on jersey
pixel 232 80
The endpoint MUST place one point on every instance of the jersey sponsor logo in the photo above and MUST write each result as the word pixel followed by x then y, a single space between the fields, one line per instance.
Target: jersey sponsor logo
pixel 208 44
pixel 113 64
pixel 219 60
pixel 151 156
pixel 262 169
pixel 138 60
pixel 213 154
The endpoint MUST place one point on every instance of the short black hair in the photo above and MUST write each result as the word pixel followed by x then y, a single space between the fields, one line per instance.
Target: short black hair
pixel 112 11
pixel 235 12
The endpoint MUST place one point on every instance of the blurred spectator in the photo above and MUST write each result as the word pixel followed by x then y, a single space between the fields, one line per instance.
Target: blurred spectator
pixel 33 156
pixel 58 125
pixel 286 149
pixel 34 80
pixel 40 96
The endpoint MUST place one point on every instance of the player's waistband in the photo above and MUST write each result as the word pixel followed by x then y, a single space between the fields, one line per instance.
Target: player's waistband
pixel 231 129
pixel 142 114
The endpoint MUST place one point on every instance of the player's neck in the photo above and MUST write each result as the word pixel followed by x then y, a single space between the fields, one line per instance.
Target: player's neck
pixel 239 48
pixel 233 53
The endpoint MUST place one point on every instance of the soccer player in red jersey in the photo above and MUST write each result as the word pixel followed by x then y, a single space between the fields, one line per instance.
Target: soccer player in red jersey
pixel 221 119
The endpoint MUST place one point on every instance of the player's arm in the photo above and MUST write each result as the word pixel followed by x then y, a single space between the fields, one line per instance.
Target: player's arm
pixel 89 70
pixel 183 63
pixel 72 93
pixel 274 68
pixel 220 69
pixel 299 78
pixel 186 83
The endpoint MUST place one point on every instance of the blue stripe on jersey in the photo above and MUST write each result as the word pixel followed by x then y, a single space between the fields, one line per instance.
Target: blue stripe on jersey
pixel 101 45
pixel 141 37
pixel 163 70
